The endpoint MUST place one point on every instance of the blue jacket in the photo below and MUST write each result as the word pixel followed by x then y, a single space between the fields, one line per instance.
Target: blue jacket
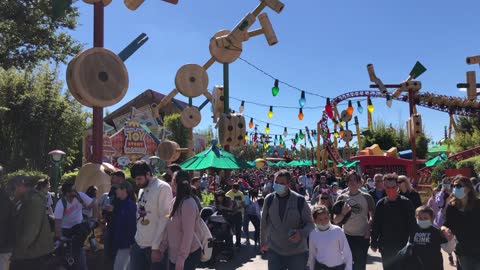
pixel 124 224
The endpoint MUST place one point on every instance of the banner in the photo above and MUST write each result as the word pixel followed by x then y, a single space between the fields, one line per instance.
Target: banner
pixel 134 138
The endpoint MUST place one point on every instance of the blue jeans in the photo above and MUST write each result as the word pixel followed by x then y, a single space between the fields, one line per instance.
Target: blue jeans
pixel 291 262
pixel 140 259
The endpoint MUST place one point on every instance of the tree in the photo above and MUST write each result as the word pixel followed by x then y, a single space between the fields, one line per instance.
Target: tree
pixel 208 134
pixel 421 143
pixel 30 34
pixel 468 133
pixel 180 133
pixel 39 118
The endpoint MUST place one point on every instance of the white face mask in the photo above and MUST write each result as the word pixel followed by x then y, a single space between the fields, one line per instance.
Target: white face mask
pixel 424 224
pixel 323 227
pixel 371 184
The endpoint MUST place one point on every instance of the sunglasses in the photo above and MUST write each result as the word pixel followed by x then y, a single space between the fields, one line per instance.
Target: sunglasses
pixel 324 198
pixel 457 186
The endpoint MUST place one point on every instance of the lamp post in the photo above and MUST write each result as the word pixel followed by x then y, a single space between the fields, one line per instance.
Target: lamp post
pixel 56 158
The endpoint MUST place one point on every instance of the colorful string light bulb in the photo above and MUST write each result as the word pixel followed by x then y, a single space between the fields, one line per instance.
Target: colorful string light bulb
pixel 285 132
pixel 341 133
pixel 359 107
pixel 370 106
pixel 300 114
pixel 335 133
pixel 270 112
pixel 267 128
pixel 350 108
pixel 246 137
pixel 302 100
pixel 275 89
pixel 250 124
pixel 389 100
pixel 329 109
pixel 242 107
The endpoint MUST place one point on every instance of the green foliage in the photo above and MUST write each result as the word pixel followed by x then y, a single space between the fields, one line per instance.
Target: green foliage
pixel 40 118
pixel 440 170
pixel 471 163
pixel 29 34
pixel 466 140
pixel 421 143
pixel 180 133
pixel 37 175
pixel 208 133
pixel 68 177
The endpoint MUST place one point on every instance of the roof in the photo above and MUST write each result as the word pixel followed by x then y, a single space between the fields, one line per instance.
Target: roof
pixel 149 96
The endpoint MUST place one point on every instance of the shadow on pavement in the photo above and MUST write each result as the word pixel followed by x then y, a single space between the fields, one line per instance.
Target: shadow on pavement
pixel 246 254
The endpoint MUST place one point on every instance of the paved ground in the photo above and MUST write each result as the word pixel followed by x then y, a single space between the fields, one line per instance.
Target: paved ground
pixel 248 258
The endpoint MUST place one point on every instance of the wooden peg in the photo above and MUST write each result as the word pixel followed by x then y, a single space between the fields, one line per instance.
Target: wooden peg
pixel 472 85
pixel 191 80
pixel 168 98
pixel 133 4
pixel 170 150
pixel 190 117
pixel 267 29
pixel 238 34
pixel 471 60
pixel 375 79
pixel 275 5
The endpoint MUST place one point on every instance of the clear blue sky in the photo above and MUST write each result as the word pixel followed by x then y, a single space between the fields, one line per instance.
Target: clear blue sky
pixel 324 47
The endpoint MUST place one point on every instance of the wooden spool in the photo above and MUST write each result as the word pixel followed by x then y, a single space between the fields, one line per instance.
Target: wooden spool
pixel 347 135
pixel 345 116
pixel 190 117
pixel 105 2
pixel 170 150
pixel 97 77
pixel 133 4
pixel 224 55
pixel 218 102
pixel 226 130
pixel 93 174
pixel 267 29
pixel 191 80
pixel 416 124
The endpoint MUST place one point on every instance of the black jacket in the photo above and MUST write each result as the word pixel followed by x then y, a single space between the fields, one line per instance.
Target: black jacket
pixel 393 223
pixel 6 223
pixel 373 193
pixel 464 225
pixel 414 197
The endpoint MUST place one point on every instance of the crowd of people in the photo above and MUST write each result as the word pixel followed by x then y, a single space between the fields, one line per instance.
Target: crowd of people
pixel 302 218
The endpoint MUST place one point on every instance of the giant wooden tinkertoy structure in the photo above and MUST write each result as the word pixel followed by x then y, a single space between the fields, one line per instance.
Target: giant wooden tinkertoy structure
pixel 98 78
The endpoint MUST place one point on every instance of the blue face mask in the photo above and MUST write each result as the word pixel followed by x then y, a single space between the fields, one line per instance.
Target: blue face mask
pixel 279 188
pixel 459 193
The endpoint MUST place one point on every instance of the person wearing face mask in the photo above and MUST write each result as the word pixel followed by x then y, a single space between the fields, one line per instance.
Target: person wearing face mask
pixel 426 244
pixel 440 207
pixel 285 225
pixel 328 246
pixel 393 223
pixel 379 191
pixel 463 220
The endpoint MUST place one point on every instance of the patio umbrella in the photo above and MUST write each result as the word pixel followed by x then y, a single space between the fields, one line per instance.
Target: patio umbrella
pixel 436 160
pixel 214 158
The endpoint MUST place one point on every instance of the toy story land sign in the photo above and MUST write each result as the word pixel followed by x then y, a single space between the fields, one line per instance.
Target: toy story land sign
pixel 134 138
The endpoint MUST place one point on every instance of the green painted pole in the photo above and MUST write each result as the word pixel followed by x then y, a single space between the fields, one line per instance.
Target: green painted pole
pixel 226 90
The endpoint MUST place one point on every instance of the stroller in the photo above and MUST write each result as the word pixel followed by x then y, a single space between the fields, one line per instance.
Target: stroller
pixel 221 232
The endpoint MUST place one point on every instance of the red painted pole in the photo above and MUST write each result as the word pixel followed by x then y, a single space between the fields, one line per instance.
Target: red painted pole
pixel 97 134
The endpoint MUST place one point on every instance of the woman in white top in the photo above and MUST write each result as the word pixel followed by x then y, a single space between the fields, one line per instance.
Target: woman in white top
pixel 328 246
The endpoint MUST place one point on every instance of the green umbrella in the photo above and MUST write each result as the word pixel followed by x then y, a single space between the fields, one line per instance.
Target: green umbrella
pixel 294 163
pixel 347 164
pixel 282 164
pixel 214 158
pixel 436 160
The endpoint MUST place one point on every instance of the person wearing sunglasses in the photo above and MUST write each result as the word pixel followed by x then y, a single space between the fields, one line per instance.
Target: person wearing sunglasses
pixel 394 223
pixel 463 220
pixel 357 208
pixel 405 189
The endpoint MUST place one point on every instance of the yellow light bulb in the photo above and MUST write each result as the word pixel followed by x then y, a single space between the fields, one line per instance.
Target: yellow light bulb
pixel 370 108
pixel 270 114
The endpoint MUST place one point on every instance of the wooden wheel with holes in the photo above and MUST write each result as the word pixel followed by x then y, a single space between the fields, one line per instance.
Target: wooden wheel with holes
pixel 191 80
pixel 190 117
pixel 97 77
pixel 168 150
pixel 221 54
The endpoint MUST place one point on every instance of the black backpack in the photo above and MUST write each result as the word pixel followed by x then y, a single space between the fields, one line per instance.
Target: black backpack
pixel 300 203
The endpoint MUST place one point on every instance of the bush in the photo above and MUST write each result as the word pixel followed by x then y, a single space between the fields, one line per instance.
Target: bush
pixel 37 175
pixel 440 170
pixel 470 163
pixel 68 178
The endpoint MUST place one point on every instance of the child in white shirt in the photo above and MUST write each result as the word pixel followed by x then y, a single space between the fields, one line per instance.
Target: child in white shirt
pixel 328 246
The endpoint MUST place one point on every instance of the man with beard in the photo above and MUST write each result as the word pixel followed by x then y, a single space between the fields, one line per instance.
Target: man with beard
pixel 153 204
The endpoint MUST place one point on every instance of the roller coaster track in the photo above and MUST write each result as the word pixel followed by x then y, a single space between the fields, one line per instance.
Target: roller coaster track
pixel 447 104
pixel 457 157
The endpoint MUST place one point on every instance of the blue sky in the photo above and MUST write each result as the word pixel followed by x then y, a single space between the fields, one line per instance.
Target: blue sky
pixel 324 47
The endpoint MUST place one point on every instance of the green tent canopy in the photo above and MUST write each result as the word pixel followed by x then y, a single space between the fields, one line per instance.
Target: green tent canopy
pixel 436 160
pixel 347 164
pixel 214 157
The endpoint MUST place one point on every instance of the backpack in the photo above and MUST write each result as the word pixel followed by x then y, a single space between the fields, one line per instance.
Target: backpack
pixel 204 238
pixel 300 203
